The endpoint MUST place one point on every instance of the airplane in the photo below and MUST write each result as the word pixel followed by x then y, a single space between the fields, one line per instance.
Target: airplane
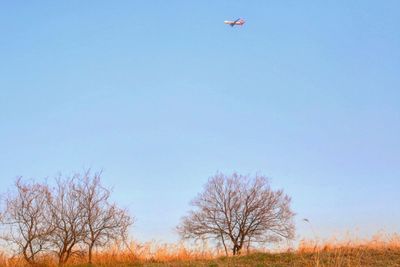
pixel 238 22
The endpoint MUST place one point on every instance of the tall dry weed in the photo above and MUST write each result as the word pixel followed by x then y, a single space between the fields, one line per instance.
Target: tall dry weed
pixel 380 250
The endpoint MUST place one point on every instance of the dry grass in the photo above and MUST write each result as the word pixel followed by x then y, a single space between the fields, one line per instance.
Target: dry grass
pixel 381 250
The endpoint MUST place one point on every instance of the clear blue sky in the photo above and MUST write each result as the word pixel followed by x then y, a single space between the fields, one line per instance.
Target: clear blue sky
pixel 161 95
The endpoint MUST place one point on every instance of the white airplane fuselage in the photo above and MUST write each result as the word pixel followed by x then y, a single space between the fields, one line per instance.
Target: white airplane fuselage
pixel 233 23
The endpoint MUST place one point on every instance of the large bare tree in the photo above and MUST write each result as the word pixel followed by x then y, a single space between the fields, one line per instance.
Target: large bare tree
pixel 67 219
pixel 104 221
pixel 238 210
pixel 26 219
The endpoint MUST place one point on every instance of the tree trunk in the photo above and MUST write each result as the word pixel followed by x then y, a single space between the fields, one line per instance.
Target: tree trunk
pixel 90 254
pixel 248 246
pixel 236 249
pixel 223 243
pixel 60 262
pixel 63 258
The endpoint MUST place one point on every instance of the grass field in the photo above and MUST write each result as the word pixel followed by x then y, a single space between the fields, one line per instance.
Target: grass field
pixel 333 258
pixel 380 251
pixel 344 257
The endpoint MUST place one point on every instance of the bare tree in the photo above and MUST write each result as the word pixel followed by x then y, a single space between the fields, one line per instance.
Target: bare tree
pixel 26 219
pixel 74 213
pixel 104 221
pixel 237 210
pixel 67 219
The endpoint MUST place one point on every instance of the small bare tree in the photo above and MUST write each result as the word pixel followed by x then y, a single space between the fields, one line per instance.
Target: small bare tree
pixel 67 219
pixel 238 210
pixel 104 221
pixel 26 219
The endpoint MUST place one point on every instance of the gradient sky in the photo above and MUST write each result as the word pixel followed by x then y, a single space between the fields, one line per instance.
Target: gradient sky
pixel 161 95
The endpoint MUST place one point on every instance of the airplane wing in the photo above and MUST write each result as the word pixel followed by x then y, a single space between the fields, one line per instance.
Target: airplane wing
pixel 234 23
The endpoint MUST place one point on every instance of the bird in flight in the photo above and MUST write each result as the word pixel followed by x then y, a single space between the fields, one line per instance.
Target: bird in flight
pixel 238 22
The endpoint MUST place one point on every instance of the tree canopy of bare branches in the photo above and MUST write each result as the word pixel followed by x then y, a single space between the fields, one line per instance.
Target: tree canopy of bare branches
pixel 62 219
pixel 26 217
pixel 237 211
pixel 67 218
pixel 104 220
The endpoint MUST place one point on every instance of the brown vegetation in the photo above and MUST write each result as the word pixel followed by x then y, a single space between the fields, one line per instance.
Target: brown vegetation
pixel 380 251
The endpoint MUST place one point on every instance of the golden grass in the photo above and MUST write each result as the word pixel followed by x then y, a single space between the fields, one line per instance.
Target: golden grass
pixel 380 250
